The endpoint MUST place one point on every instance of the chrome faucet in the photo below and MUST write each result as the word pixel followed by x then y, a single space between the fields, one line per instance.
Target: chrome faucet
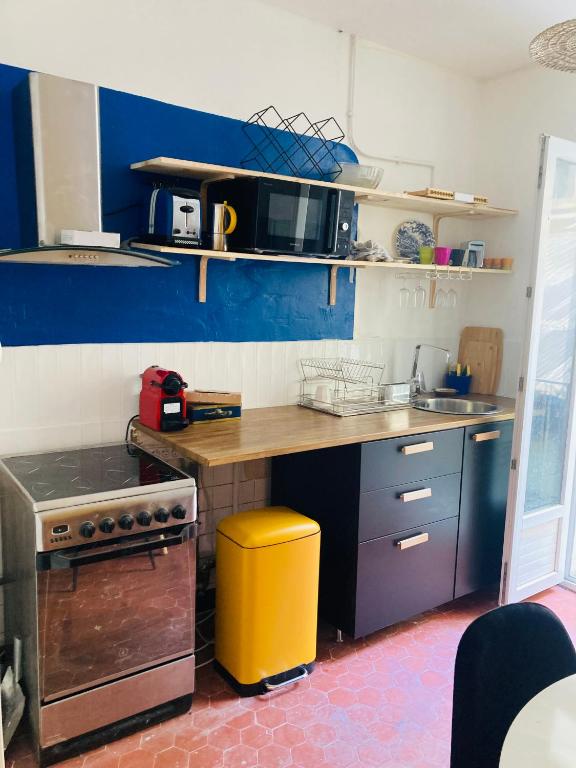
pixel 417 383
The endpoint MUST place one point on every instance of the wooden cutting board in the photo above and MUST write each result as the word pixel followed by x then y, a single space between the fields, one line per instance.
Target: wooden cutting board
pixel 481 349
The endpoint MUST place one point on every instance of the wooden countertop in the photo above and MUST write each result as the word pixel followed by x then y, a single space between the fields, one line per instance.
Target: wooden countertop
pixel 265 432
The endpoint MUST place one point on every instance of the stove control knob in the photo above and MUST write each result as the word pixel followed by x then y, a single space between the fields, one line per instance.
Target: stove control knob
pixel 179 512
pixel 87 530
pixel 107 525
pixel 161 515
pixel 126 522
pixel 144 518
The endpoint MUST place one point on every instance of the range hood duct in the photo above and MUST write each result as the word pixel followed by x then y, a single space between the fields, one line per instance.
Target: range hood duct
pixel 66 145
pixel 64 122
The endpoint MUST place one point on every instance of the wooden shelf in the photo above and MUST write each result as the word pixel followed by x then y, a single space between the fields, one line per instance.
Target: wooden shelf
pixel 334 264
pixel 169 166
pixel 234 255
pixel 438 209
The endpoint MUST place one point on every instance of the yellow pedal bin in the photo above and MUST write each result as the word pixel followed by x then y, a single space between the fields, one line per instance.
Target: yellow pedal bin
pixel 267 563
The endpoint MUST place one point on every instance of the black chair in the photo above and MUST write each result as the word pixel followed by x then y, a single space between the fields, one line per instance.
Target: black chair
pixel 504 659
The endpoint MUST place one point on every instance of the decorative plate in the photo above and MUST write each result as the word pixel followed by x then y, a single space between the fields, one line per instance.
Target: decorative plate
pixel 410 236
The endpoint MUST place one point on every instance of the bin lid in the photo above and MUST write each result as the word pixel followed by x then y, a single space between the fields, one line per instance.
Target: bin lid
pixel 266 527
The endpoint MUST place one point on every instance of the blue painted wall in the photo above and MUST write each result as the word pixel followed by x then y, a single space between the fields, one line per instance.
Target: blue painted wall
pixel 67 305
pixel 10 80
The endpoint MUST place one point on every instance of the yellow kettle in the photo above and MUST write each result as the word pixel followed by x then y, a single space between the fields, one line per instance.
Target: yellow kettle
pixel 222 212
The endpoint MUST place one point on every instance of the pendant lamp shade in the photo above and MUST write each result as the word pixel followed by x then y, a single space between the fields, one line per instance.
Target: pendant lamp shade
pixel 555 47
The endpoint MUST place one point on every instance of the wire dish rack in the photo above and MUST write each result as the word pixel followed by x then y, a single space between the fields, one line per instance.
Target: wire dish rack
pixel 345 387
pixel 293 145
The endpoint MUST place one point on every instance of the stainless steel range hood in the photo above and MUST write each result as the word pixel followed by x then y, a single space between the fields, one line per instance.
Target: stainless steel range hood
pixel 66 144
pixel 63 121
pixel 84 256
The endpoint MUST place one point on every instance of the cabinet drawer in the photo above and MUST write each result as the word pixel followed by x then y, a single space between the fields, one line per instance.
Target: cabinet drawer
pixel 407 459
pixel 405 506
pixel 394 583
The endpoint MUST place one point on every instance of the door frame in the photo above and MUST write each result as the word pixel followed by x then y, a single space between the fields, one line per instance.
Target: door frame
pixel 570 580
pixel 516 520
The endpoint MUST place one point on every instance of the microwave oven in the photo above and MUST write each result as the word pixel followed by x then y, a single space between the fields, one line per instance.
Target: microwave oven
pixel 287 217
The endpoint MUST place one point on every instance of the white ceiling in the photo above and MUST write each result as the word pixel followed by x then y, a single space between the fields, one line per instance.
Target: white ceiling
pixel 479 38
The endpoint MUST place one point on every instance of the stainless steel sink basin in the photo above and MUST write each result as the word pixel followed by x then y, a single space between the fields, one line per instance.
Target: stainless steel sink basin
pixel 456 406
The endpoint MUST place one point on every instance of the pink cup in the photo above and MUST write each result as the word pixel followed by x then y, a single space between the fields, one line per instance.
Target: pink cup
pixel 442 255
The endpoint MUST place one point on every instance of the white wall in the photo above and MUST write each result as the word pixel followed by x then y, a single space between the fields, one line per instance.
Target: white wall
pixel 408 108
pixel 231 58
pixel 515 111
pixel 225 57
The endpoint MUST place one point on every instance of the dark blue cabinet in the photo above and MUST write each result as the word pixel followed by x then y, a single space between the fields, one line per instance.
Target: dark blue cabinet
pixel 485 470
pixel 407 523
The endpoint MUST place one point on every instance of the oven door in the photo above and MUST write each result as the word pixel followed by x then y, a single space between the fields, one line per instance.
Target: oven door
pixel 109 611
pixel 296 218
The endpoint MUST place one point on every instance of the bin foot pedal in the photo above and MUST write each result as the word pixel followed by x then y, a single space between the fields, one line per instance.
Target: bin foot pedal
pixel 268 684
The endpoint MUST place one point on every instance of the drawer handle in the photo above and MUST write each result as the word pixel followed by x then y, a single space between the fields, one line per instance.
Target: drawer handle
pixel 422 493
pixel 481 437
pixel 408 450
pixel 413 541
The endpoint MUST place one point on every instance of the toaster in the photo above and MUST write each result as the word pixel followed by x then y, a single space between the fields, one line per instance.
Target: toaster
pixel 174 217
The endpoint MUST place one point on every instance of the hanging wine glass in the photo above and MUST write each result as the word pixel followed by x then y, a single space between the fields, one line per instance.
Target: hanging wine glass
pixel 451 299
pixel 440 298
pixel 419 296
pixel 404 295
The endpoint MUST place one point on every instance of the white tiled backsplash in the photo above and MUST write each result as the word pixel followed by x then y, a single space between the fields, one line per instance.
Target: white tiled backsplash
pixel 54 397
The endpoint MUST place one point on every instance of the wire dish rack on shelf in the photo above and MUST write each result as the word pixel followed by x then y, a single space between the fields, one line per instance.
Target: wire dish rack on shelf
pixel 293 145
pixel 345 387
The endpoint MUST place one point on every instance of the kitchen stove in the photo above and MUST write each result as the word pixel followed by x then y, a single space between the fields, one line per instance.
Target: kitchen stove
pixel 100 546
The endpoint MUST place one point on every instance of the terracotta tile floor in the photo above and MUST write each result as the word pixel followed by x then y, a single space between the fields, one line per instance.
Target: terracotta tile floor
pixel 382 701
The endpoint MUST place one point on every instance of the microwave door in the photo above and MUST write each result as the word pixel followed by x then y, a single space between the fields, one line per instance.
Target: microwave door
pixel 291 218
pixel 301 218
pixel 317 221
pixel 278 209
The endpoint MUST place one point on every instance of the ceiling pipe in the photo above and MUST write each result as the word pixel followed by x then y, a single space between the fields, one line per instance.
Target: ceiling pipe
pixel 350 120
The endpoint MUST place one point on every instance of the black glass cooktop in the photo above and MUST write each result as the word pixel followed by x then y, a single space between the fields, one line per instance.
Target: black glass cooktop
pixel 104 469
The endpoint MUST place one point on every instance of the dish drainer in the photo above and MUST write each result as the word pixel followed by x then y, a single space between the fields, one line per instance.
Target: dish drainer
pixel 345 387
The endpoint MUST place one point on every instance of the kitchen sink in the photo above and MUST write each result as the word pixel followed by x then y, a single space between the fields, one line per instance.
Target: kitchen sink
pixel 456 406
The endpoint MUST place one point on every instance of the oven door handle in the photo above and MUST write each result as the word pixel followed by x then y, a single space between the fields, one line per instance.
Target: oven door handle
pixel 61 559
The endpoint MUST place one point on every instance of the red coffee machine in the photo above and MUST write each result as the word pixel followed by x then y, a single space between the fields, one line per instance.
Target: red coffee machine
pixel 162 400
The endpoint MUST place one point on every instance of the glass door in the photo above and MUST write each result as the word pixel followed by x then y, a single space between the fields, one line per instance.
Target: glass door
pixel 541 480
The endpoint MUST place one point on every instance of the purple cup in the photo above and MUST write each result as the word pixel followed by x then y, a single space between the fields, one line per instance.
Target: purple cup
pixel 442 255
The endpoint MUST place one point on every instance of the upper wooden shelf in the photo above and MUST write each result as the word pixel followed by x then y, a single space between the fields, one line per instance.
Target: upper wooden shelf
pixel 169 166
pixel 352 264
